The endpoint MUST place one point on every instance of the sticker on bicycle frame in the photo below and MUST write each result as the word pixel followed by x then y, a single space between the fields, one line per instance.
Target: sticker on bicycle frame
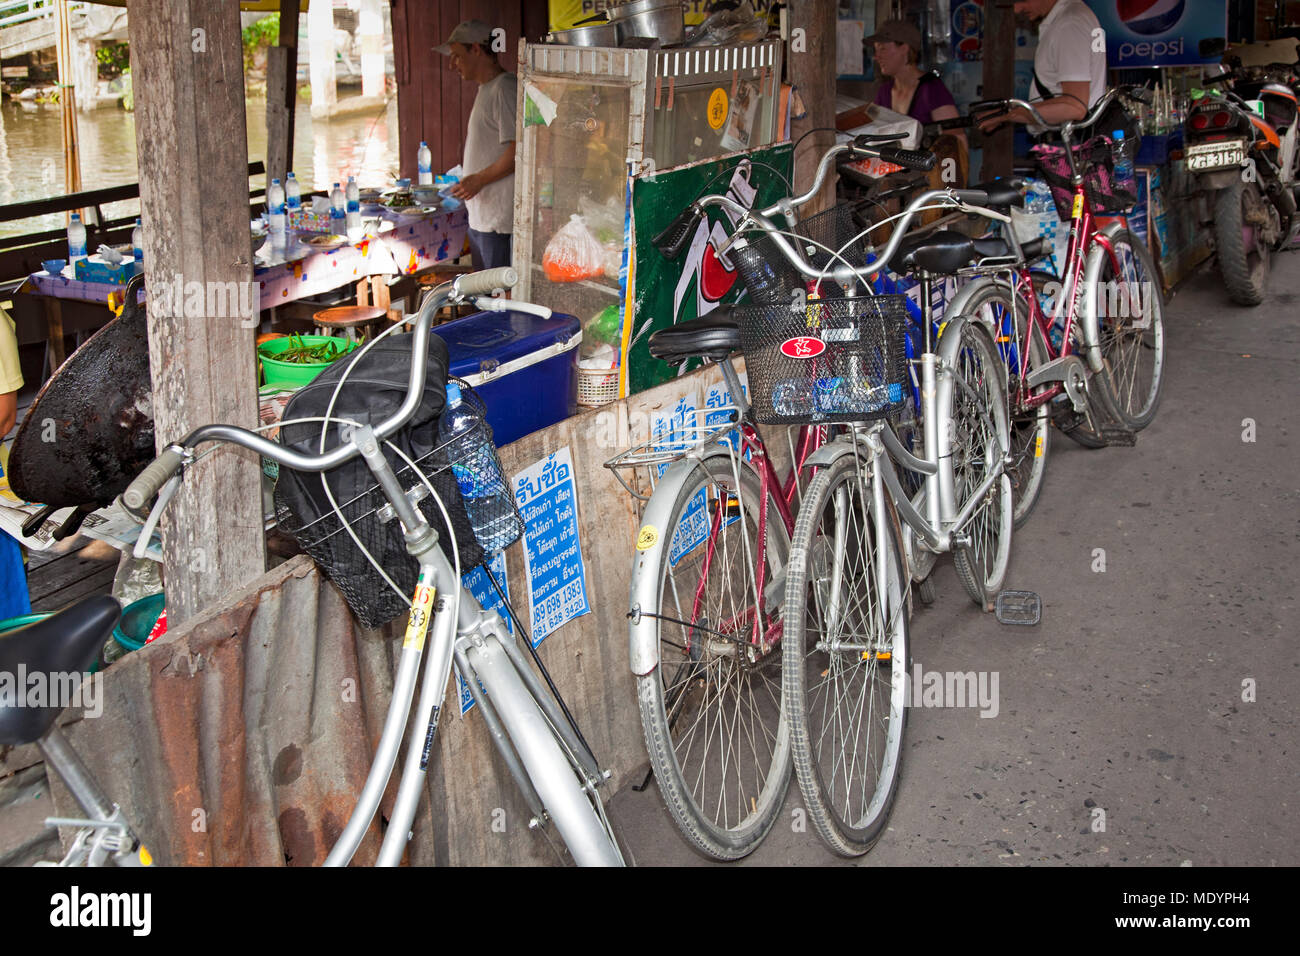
pixel 146 858
pixel 418 626
pixel 647 537
pixel 802 347
pixel 1078 207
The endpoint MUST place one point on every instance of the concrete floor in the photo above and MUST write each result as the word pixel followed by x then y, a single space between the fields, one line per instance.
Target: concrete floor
pixel 1128 697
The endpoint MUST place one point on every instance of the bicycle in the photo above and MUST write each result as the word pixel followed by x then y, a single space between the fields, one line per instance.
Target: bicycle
pixel 556 772
pixel 845 641
pixel 705 619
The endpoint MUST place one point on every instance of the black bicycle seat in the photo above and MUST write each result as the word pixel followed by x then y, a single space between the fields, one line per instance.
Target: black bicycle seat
pixel 996 247
pixel 941 253
pixel 65 643
pixel 713 336
pixel 1004 192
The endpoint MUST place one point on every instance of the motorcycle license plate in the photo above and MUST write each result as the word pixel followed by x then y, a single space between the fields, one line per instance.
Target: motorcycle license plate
pixel 1216 155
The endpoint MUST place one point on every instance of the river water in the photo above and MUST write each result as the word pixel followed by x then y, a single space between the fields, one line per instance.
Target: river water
pixel 324 151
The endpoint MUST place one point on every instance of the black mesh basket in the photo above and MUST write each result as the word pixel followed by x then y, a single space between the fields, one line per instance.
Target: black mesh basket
pixel 768 275
pixel 452 469
pixel 834 360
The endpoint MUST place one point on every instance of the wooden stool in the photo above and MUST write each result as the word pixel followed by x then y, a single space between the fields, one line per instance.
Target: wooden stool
pixel 349 319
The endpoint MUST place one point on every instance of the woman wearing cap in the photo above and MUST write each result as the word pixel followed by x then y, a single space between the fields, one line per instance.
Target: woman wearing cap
pixel 908 89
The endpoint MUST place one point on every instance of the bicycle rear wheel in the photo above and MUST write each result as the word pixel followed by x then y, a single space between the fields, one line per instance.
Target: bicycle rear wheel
pixel 845 659
pixel 1007 313
pixel 712 713
pixel 1082 428
pixel 1128 307
pixel 980 438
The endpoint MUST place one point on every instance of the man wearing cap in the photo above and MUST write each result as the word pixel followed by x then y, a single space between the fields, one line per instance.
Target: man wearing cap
pixel 488 183
pixel 1069 64
pixel 908 89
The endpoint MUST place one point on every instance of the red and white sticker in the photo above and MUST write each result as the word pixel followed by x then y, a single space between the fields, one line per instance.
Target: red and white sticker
pixel 802 347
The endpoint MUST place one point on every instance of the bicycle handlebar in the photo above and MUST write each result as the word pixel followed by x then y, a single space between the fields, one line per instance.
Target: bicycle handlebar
pixel 147 484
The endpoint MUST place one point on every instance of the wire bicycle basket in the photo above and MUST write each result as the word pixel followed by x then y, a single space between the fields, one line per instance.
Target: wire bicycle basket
pixel 830 360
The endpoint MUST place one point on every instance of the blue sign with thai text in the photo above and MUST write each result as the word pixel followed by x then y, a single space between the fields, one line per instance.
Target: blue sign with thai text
pixel 557 580
pixel 481 587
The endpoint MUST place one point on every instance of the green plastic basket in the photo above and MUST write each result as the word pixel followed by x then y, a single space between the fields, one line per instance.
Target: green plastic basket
pixel 138 620
pixel 296 374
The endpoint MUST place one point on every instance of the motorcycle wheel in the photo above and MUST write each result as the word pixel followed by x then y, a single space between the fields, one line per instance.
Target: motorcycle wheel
pixel 1243 254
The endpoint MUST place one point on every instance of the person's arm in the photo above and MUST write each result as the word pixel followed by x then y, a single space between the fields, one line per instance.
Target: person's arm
pixel 8 412
pixel 1070 105
pixel 947 113
pixel 471 185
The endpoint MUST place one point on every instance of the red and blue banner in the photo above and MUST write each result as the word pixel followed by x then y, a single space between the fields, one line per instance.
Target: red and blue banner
pixel 1159 32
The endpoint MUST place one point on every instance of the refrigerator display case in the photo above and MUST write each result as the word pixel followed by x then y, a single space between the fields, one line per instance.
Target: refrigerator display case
pixel 593 118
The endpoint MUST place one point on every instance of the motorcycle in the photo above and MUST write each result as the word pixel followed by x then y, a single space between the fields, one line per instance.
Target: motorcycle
pixel 1241 145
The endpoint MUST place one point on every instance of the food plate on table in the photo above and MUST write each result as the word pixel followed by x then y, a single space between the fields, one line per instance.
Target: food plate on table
pixel 325 242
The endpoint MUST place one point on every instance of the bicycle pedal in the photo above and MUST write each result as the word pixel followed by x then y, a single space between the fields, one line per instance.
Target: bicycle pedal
pixel 1019 607
pixel 1118 435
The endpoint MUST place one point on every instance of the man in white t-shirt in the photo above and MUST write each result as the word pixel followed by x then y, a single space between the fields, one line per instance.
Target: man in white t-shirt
pixel 1069 65
pixel 487 185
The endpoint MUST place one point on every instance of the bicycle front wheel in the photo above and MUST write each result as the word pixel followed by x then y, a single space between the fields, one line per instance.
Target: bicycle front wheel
pixel 846 657
pixel 1128 308
pixel 980 439
pixel 714 724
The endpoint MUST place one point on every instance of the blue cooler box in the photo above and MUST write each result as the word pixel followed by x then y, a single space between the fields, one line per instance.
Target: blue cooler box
pixel 524 368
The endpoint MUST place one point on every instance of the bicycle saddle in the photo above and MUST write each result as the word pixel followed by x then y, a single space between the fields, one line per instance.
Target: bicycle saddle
pixel 1004 192
pixel 942 252
pixel 713 336
pixel 65 643
pixel 997 248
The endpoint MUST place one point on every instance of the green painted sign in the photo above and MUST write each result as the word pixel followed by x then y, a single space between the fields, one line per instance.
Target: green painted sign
pixel 668 293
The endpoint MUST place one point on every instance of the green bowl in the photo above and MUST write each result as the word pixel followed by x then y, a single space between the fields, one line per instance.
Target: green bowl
pixel 296 374
pixel 138 620
pixel 13 623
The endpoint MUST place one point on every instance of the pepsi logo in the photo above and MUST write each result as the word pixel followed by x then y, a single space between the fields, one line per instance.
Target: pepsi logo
pixel 1150 17
pixel 802 347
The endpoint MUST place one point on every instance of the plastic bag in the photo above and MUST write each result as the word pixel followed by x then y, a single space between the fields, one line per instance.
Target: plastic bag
pixel 573 253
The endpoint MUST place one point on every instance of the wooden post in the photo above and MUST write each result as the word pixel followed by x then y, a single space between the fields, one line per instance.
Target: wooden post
pixel 67 101
pixel 282 94
pixel 188 73
pixel 811 53
pixel 371 31
pixel 999 83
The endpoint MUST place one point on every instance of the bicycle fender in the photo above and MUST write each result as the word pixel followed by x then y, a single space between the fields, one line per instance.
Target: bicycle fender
pixel 652 541
pixel 961 301
pixel 828 454
pixel 1091 273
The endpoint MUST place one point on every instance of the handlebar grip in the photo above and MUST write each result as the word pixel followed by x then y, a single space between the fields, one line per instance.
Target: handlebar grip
pixel 972 197
pixel 145 487
pixel 672 242
pixel 919 159
pixel 487 281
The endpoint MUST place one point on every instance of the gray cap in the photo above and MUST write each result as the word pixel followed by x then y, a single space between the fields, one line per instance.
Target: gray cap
pixel 468 33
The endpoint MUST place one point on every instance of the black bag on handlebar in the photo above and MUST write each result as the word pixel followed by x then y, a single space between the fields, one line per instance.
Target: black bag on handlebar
pixel 374 390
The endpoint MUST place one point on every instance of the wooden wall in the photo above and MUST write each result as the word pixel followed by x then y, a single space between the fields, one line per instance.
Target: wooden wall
pixel 433 102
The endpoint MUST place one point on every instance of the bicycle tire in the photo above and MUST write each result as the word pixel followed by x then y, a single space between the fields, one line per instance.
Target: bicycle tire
pixel 980 435
pixel 1030 428
pixel 698 671
pixel 1129 395
pixel 832 593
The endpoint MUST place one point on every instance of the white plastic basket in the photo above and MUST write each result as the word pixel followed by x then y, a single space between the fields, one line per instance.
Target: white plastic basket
pixel 597 386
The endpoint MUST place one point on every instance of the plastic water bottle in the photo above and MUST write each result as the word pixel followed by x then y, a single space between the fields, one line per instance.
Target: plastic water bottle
pixel 487 500
pixel 275 217
pixel 1123 165
pixel 76 239
pixel 425 162
pixel 793 397
pixel 292 192
pixel 338 211
pixel 137 241
pixel 353 209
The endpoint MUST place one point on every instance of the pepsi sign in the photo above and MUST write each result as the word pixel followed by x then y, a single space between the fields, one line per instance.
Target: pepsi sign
pixel 1159 32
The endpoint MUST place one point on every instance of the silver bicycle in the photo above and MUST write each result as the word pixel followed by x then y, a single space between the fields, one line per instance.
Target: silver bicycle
pixel 556 772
